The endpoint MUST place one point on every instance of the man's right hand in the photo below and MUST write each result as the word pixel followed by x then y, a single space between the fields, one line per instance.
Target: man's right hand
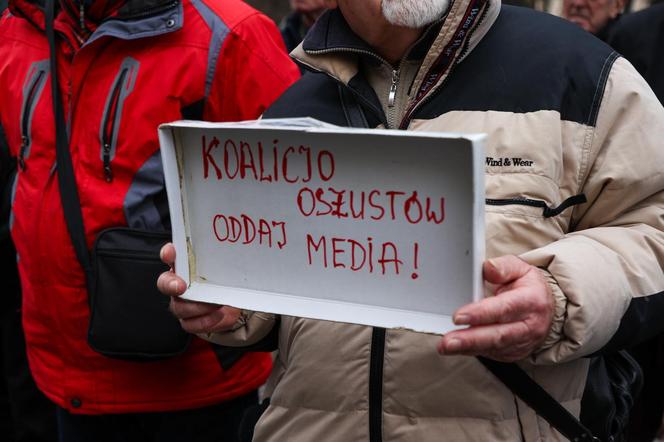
pixel 194 316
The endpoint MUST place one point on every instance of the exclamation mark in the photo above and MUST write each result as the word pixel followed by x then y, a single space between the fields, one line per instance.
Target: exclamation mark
pixel 416 250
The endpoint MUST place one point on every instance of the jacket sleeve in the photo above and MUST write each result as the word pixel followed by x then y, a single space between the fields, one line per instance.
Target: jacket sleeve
pixel 254 330
pixel 609 266
pixel 252 71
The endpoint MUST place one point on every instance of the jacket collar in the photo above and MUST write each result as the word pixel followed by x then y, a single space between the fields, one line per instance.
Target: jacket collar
pixel 123 19
pixel 331 33
pixel 333 48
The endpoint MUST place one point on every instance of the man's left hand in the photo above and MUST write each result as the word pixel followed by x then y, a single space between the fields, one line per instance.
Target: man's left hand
pixel 510 325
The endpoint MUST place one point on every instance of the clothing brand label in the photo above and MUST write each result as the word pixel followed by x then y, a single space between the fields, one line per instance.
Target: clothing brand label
pixel 509 162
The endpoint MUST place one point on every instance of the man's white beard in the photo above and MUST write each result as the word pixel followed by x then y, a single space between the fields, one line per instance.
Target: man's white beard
pixel 413 13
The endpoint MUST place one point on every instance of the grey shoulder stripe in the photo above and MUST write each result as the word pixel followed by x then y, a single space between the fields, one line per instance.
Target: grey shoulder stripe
pixel 219 33
pixel 145 205
pixel 599 89
pixel 12 197
pixel 32 90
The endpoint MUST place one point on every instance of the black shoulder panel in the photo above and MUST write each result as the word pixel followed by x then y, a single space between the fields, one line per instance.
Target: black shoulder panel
pixel 641 321
pixel 529 61
pixel 314 95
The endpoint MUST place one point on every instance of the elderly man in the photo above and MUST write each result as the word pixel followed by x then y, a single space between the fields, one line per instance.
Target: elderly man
pixel 584 216
pixel 595 16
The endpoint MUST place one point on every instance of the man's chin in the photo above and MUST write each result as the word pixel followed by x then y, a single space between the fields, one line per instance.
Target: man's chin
pixel 580 21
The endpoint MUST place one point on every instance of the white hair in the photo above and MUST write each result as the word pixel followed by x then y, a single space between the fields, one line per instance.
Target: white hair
pixel 413 13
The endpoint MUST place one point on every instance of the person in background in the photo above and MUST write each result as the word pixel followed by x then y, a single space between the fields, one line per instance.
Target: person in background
pixel 125 67
pixel 639 37
pixel 595 16
pixel 574 237
pixel 296 24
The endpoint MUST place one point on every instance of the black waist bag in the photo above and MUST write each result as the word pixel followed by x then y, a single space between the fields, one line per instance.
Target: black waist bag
pixel 129 318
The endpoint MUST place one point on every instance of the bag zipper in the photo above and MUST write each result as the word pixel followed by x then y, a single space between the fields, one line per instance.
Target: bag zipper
pixel 122 253
pixel 109 123
pixel 26 113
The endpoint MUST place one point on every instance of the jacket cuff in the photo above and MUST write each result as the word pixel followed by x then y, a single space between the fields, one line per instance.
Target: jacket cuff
pixel 250 328
pixel 559 312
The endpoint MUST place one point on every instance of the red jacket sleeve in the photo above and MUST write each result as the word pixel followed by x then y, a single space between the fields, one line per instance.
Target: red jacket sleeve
pixel 252 71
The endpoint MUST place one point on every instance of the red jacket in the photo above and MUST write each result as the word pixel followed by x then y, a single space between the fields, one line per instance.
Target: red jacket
pixel 131 68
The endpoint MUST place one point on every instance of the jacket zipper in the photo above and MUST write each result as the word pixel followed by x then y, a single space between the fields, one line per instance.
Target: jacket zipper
pixel 27 114
pixel 77 16
pixel 518 201
pixel 376 384
pixel 408 117
pixel 548 212
pixel 391 98
pixel 395 72
pixel 81 13
pixel 109 126
pixel 393 88
pixel 359 96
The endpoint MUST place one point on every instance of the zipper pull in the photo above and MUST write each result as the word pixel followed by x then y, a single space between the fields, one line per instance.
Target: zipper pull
pixel 24 146
pixel 108 172
pixel 393 89
pixel 81 13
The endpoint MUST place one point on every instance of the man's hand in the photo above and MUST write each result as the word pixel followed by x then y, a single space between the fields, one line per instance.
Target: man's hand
pixel 195 317
pixel 510 325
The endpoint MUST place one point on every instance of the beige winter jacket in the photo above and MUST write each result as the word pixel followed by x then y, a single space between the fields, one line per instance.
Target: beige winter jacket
pixel 574 185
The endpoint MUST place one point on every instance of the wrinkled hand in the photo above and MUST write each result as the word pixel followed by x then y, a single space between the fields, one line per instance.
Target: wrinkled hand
pixel 510 325
pixel 194 316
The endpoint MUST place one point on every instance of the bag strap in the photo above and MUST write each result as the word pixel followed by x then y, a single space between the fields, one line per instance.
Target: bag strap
pixel 530 392
pixel 66 180
pixel 511 375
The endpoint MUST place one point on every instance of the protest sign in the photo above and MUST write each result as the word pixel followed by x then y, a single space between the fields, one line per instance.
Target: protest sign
pixel 296 217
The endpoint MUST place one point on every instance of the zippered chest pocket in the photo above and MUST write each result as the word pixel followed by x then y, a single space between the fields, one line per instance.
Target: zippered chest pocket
pixel 122 87
pixel 547 211
pixel 516 224
pixel 32 90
